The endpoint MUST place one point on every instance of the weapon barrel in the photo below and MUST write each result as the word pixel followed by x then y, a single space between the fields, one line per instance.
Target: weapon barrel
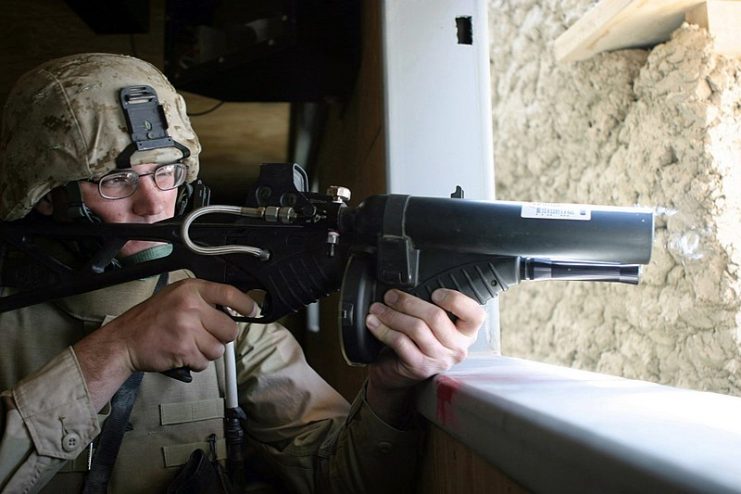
pixel 573 232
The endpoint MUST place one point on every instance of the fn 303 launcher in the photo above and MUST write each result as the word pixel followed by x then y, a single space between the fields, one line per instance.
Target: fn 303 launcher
pixel 297 247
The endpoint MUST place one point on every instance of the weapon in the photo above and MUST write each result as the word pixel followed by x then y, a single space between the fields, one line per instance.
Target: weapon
pixel 299 246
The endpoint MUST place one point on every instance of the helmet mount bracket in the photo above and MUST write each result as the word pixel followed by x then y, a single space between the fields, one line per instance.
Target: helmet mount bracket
pixel 146 122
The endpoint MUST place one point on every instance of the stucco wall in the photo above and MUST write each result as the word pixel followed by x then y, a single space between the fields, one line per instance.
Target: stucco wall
pixel 659 128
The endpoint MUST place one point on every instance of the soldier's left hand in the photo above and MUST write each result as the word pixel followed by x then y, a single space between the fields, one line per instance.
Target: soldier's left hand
pixel 423 338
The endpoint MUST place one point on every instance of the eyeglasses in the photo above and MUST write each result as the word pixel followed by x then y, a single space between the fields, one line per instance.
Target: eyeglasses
pixel 120 184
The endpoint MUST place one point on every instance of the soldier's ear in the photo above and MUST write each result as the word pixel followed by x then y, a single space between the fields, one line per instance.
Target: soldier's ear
pixel 54 203
pixel 45 206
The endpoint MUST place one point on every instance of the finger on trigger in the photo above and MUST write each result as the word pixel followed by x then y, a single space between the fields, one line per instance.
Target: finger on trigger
pixel 229 296
pixel 219 325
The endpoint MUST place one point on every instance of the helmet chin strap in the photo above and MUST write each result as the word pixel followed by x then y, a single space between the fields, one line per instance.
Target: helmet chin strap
pixel 76 209
pixel 96 254
pixel 99 255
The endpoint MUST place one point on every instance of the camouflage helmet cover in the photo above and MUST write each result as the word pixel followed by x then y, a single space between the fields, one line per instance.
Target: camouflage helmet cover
pixel 63 122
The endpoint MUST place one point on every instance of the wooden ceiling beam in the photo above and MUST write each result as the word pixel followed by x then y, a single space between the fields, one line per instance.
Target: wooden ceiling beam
pixel 620 24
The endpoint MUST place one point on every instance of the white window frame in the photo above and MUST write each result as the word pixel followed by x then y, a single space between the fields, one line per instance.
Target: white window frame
pixel 437 97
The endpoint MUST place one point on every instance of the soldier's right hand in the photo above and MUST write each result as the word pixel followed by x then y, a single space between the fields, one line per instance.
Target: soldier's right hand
pixel 181 326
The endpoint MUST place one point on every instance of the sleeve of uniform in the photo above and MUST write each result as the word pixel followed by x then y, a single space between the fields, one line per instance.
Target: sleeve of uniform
pixel 307 431
pixel 47 418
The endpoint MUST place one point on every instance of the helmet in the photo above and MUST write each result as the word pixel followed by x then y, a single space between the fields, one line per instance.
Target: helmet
pixel 63 122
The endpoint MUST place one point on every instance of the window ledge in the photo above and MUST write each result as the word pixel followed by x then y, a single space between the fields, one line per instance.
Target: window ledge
pixel 556 429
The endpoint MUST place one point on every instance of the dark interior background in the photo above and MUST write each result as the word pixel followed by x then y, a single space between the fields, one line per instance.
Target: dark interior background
pixel 264 81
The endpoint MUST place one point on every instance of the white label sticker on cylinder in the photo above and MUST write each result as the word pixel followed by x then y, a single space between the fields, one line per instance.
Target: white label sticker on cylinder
pixel 549 211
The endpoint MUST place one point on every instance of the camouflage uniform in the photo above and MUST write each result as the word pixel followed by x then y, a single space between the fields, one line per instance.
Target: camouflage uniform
pixel 297 421
pixel 310 436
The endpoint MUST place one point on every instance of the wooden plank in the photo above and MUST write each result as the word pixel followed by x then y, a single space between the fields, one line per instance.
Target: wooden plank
pixel 451 467
pixel 620 24
pixel 722 19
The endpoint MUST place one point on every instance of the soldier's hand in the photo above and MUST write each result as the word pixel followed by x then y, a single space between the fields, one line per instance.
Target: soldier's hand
pixel 181 326
pixel 424 340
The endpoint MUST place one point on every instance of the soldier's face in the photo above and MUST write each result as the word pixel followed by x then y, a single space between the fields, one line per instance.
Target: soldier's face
pixel 147 204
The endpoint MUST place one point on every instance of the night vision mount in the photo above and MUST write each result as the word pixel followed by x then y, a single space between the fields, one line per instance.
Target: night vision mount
pixel 146 122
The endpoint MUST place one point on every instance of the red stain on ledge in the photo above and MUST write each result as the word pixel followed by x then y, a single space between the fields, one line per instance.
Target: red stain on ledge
pixel 447 388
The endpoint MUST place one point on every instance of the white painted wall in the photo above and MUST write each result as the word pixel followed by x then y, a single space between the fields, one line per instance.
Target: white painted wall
pixel 438 106
pixel 437 93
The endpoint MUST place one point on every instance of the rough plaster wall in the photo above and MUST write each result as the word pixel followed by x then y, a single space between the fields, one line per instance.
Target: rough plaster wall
pixel 659 128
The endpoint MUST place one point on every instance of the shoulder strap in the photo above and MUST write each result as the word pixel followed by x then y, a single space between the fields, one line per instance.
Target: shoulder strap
pixel 109 441
pixel 111 436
